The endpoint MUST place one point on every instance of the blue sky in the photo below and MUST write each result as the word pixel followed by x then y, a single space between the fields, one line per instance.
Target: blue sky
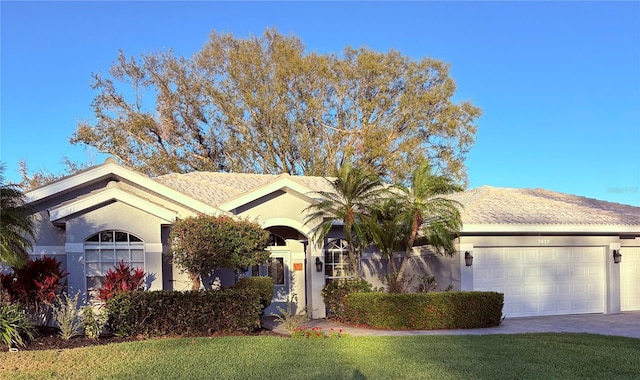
pixel 559 83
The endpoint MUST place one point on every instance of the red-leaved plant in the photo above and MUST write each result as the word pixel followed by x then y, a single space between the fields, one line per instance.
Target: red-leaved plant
pixel 36 285
pixel 120 279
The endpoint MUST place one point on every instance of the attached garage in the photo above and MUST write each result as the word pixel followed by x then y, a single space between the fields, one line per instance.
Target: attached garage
pixel 630 279
pixel 543 281
pixel 550 253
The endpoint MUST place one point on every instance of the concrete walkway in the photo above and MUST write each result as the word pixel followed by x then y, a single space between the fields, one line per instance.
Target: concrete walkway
pixel 623 324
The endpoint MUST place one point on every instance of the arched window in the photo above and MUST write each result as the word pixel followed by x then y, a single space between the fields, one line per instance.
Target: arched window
pixel 336 261
pixel 104 250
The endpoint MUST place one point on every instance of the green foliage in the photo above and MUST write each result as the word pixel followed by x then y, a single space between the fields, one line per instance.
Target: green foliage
pixel 65 313
pixel 14 325
pixel 334 293
pixel 36 285
pixel 92 322
pixel 290 318
pixel 160 313
pixel 419 211
pixel 425 311
pixel 122 278
pixel 203 243
pixel 264 104
pixel 354 195
pixel 262 284
pixel 16 225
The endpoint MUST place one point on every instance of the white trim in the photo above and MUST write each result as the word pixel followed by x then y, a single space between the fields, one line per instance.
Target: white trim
pixel 110 168
pixel 106 195
pixel 564 228
pixel 74 248
pixel 286 184
pixel 300 227
pixel 48 250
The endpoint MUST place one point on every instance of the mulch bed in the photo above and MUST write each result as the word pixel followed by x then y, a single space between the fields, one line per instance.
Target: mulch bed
pixel 49 339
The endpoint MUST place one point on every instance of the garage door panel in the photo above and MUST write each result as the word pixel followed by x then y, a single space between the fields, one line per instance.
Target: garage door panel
pixel 529 274
pixel 543 281
pixel 630 279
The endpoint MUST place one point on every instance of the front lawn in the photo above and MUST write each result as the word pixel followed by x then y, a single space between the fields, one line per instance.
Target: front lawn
pixel 524 356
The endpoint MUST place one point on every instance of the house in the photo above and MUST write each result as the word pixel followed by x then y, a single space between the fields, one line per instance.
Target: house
pixel 549 253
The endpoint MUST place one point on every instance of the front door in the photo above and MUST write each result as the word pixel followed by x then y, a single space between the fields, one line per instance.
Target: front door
pixel 279 269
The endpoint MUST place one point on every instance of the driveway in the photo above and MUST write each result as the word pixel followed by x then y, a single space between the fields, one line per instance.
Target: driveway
pixel 623 324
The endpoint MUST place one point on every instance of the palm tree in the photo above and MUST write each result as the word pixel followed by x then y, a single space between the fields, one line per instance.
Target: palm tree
pixel 386 232
pixel 354 193
pixel 424 207
pixel 16 227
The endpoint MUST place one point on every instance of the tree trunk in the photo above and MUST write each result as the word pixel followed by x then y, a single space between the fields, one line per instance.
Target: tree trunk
pixel 195 281
pixel 408 251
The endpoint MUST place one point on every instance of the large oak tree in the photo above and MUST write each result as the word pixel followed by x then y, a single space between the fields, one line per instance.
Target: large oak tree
pixel 265 104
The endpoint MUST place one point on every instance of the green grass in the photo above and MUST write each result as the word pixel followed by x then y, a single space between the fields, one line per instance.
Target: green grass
pixel 524 356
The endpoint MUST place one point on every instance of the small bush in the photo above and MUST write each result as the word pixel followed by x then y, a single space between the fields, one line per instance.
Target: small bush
pixel 264 286
pixel 425 311
pixel 122 278
pixel 160 313
pixel 65 313
pixel 334 293
pixel 14 325
pixel 289 317
pixel 92 322
pixel 36 285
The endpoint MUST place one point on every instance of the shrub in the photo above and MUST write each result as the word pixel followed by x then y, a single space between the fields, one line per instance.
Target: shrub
pixel 160 313
pixel 65 313
pixel 263 285
pixel 201 244
pixel 334 293
pixel 14 325
pixel 120 279
pixel 425 311
pixel 92 322
pixel 36 285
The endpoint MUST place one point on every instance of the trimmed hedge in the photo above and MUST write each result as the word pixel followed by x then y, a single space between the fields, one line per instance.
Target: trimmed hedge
pixel 334 292
pixel 159 313
pixel 425 311
pixel 263 285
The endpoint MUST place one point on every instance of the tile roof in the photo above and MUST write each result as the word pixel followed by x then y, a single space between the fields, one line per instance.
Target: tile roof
pixel 491 205
pixel 483 205
pixel 216 188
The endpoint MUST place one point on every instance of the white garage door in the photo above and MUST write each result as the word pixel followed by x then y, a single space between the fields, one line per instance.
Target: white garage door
pixel 630 279
pixel 543 281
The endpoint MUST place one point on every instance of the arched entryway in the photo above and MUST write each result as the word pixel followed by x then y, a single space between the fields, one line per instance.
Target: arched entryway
pixel 287 266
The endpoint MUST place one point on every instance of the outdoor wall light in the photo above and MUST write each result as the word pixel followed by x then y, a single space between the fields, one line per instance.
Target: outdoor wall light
pixel 318 265
pixel 468 258
pixel 617 256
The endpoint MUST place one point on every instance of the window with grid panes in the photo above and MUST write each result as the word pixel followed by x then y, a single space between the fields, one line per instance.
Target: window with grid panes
pixel 336 261
pixel 104 250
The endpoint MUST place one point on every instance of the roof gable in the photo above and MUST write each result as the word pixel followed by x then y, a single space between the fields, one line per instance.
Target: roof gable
pixel 110 169
pixel 106 195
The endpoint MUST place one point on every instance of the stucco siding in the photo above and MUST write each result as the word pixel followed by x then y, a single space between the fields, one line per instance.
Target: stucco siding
pixel 279 205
